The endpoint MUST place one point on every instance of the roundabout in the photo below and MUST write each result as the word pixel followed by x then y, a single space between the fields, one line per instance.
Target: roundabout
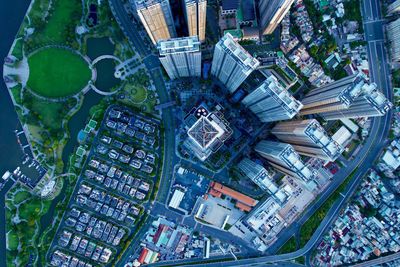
pixel 58 72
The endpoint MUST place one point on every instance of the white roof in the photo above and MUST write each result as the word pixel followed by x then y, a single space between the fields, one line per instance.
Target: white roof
pixel 176 199
pixel 391 160
pixel 342 135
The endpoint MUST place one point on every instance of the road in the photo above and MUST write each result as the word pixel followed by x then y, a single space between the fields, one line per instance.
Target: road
pixel 363 161
pixel 380 260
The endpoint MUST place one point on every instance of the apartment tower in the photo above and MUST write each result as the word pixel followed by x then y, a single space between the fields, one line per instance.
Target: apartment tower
pixel 271 102
pixel 285 159
pixel 350 97
pixel 258 174
pixel 308 138
pixel 156 17
pixel 393 32
pixel 231 63
pixel 181 57
pixel 271 13
pixel 195 14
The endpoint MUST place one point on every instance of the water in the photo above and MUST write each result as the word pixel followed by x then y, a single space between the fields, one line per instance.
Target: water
pixel 105 68
pixel 11 15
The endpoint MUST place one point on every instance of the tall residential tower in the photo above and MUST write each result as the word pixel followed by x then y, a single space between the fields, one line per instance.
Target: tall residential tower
pixel 308 138
pixel 350 97
pixel 258 174
pixel 195 14
pixel 285 159
pixel 231 63
pixel 271 102
pixel 181 57
pixel 156 17
pixel 271 13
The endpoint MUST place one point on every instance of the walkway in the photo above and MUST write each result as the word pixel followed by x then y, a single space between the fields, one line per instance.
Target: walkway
pixel 105 57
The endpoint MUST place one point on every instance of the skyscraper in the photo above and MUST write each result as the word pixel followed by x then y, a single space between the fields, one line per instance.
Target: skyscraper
pixel 271 13
pixel 372 103
pixel 308 138
pixel 350 97
pixel 195 14
pixel 156 17
pixel 207 134
pixel 231 63
pixel 258 174
pixel 271 102
pixel 393 32
pixel 181 57
pixel 286 160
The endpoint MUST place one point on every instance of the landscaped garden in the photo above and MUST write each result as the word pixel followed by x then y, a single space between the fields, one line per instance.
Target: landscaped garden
pixel 23 211
pixel 56 72
pixel 53 39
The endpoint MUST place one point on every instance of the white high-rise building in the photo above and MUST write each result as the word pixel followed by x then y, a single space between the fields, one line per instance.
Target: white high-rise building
pixel 308 138
pixel 231 63
pixel 195 14
pixel 181 57
pixel 271 13
pixel 258 174
pixel 393 32
pixel 286 160
pixel 271 102
pixel 156 17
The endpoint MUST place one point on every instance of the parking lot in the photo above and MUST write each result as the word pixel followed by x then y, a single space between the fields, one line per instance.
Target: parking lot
pixel 195 186
pixel 117 178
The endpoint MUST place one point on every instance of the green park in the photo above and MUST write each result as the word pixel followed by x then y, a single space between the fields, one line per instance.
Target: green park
pixel 57 72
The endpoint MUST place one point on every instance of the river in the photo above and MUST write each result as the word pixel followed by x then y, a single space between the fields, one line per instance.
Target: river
pixel 11 15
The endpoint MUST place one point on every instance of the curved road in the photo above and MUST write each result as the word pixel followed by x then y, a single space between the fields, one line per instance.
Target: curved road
pixel 363 161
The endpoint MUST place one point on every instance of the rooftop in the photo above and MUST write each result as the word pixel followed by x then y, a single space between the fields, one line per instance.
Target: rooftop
pixel 204 132
pixel 178 45
pixel 233 48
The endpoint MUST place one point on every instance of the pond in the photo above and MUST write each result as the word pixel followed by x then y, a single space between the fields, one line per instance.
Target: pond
pixel 105 68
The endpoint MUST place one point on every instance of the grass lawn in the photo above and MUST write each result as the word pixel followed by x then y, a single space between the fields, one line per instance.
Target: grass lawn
pixel 137 94
pixel 289 246
pixel 56 73
pixel 51 114
pixel 13 240
pixel 21 196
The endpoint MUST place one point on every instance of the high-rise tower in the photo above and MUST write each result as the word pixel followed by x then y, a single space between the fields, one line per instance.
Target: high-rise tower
pixel 231 63
pixel 271 13
pixel 308 138
pixel 285 159
pixel 271 102
pixel 181 57
pixel 258 174
pixel 350 97
pixel 156 17
pixel 195 14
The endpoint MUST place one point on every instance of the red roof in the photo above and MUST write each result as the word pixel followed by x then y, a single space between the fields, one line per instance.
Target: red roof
pixel 160 229
pixel 233 194
pixel 143 255
pixel 242 206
